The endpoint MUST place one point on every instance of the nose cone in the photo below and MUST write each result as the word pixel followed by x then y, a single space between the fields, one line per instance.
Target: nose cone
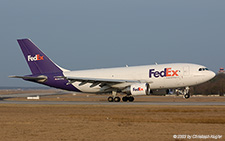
pixel 211 75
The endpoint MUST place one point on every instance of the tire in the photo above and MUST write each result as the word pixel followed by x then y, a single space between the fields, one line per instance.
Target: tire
pixel 186 96
pixel 131 99
pixel 125 98
pixel 110 99
pixel 117 99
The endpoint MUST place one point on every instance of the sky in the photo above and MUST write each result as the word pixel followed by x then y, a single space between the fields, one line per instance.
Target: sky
pixel 87 34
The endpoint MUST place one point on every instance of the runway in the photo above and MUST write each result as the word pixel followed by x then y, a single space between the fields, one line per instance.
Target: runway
pixel 65 98
pixel 113 103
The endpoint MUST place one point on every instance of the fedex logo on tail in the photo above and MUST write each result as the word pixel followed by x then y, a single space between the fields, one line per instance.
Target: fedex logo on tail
pixel 167 72
pixel 35 58
pixel 138 89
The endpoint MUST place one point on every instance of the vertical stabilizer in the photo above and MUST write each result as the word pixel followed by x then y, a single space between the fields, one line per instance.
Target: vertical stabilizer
pixel 38 62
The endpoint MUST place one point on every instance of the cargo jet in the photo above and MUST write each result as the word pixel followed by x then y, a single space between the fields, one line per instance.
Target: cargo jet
pixel 130 81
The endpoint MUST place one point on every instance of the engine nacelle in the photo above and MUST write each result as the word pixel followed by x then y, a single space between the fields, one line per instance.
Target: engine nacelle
pixel 138 89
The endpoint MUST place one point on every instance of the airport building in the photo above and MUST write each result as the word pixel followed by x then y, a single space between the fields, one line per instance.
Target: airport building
pixel 221 70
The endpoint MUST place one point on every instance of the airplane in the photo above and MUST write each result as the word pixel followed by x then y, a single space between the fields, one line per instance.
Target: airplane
pixel 131 81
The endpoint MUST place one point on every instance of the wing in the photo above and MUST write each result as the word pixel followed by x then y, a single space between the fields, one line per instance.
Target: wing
pixel 105 84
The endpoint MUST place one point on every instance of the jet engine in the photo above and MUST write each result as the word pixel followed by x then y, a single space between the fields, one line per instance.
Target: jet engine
pixel 138 89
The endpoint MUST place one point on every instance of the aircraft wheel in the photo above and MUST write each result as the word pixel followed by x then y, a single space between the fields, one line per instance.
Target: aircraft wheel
pixel 186 96
pixel 125 98
pixel 117 99
pixel 131 99
pixel 110 99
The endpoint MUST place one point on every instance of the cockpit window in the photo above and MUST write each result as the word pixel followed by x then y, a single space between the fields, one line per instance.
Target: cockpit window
pixel 203 69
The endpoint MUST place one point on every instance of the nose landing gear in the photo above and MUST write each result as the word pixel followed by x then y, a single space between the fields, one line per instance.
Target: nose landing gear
pixel 185 92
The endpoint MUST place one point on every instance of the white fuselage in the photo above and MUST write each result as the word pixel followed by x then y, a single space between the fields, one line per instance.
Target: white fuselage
pixel 163 76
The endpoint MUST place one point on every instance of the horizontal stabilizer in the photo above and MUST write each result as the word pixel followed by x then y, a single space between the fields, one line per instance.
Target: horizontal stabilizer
pixel 40 78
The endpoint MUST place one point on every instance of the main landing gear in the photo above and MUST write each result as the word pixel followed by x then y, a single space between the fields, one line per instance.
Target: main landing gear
pixel 128 98
pixel 115 98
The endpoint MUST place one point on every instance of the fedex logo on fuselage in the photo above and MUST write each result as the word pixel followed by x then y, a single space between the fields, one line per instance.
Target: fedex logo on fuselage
pixel 167 72
pixel 138 89
pixel 35 58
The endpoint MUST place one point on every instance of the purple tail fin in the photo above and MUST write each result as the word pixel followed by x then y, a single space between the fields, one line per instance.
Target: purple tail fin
pixel 38 62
